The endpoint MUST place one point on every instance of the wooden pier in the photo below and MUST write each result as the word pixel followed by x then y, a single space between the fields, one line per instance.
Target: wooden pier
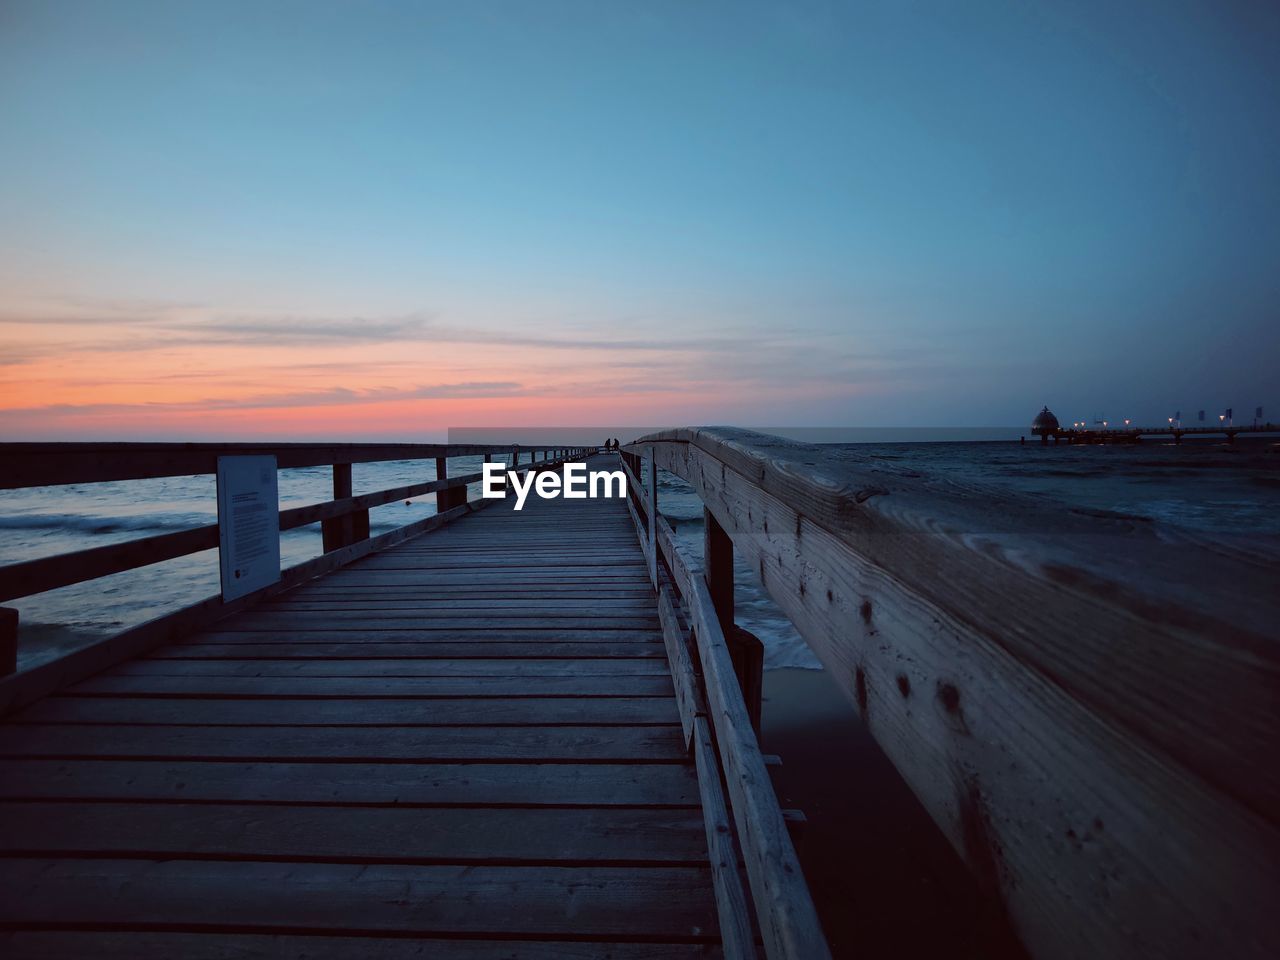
pixel 495 734
pixel 487 741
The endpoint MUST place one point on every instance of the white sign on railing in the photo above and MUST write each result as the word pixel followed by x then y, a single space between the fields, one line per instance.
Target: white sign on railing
pixel 248 524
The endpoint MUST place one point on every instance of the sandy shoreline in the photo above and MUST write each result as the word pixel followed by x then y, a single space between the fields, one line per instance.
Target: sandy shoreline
pixel 885 880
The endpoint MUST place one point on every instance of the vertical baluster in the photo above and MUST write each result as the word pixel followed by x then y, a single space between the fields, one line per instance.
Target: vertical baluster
pixel 8 641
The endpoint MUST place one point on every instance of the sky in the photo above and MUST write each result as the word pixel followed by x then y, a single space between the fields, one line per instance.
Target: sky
pixel 384 220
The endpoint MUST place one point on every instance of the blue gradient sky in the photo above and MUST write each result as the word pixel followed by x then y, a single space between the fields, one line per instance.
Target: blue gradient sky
pixel 375 218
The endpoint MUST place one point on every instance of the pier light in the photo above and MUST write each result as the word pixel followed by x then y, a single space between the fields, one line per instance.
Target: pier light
pixel 1127 421
pixel 1171 419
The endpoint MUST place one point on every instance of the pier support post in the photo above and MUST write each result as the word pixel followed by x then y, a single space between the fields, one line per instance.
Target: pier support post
pixel 8 641
pixel 745 648
pixel 452 497
pixel 338 532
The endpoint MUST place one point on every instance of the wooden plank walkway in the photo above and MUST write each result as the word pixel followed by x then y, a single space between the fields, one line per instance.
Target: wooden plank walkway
pixel 465 746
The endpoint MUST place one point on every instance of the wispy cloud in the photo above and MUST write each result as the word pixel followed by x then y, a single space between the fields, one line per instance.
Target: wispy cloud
pixel 116 326
pixel 337 396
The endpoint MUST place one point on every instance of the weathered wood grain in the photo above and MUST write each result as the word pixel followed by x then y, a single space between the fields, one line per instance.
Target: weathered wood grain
pixel 349 744
pixel 465 711
pixel 398 784
pixel 153 945
pixel 1062 691
pixel 400 667
pixel 659 903
pixel 684 677
pixel 359 649
pixel 394 687
pixel 510 835
pixel 784 908
pixel 736 931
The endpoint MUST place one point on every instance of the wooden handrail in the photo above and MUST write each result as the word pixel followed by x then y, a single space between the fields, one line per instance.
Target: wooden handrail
pixel 49 573
pixel 783 907
pixel 50 464
pixel 1087 704
pixel 31 683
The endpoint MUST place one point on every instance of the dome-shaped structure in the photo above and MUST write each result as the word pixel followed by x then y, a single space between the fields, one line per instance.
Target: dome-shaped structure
pixel 1045 424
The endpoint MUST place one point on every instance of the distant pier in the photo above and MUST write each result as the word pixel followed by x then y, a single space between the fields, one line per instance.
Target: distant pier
pixel 1135 434
pixel 1046 426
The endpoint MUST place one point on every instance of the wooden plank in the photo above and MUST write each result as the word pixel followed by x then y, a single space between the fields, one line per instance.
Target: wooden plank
pixel 559 592
pixel 165 945
pixel 361 649
pixel 736 932
pixel 534 639
pixel 572 616
pixel 350 744
pixel 358 620
pixel 536 711
pixel 685 680
pixel 532 576
pixel 396 687
pixel 49 573
pixel 352 834
pixel 994 647
pixel 551 607
pixel 583 902
pixel 424 667
pixel 506 563
pixel 408 784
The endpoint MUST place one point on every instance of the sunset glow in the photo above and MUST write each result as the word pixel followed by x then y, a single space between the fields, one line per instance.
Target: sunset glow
pixel 303 220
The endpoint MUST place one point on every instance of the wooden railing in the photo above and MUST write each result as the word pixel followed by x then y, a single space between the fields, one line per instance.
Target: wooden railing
pixel 1088 704
pixel 344 522
pixel 721 733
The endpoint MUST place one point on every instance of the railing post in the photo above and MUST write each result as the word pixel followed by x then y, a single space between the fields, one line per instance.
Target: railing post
pixel 717 561
pixel 653 519
pixel 453 496
pixel 8 641
pixel 745 649
pixel 338 532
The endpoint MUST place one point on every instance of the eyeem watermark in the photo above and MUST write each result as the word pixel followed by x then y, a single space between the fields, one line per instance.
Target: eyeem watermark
pixel 577 485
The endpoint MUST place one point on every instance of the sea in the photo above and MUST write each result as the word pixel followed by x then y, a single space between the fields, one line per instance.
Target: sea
pixel 1203 485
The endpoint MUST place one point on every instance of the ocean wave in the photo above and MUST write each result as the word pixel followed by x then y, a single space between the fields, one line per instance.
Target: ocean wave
pixel 158 523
